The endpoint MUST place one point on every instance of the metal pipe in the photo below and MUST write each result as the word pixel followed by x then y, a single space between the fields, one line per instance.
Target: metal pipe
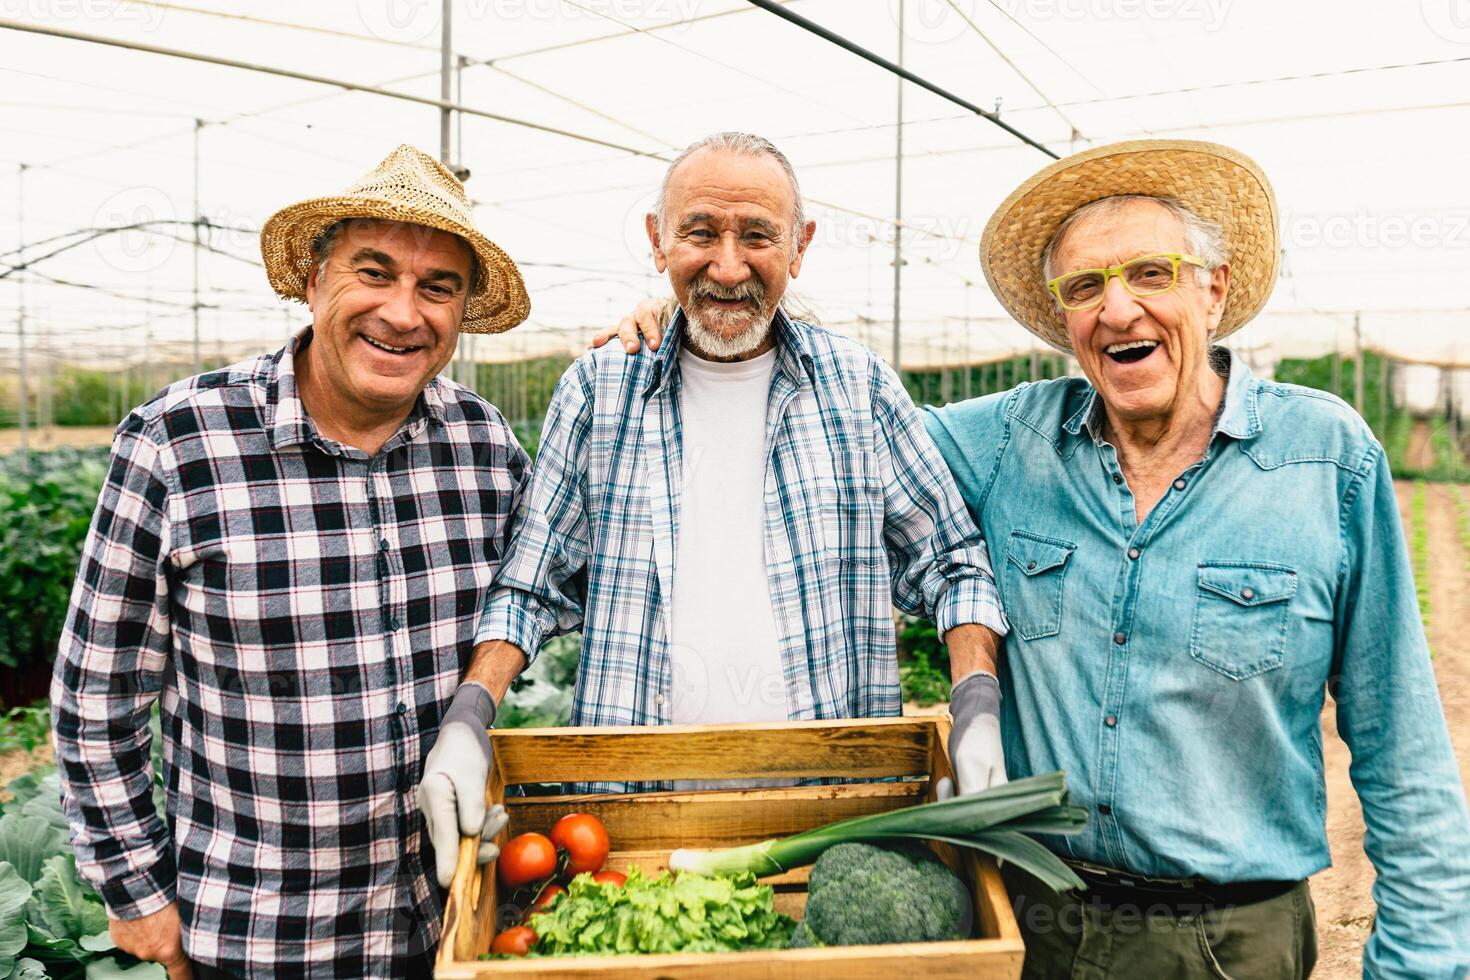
pixel 198 125
pixel 898 212
pixel 50 31
pixel 445 114
pixel 897 69
pixel 20 322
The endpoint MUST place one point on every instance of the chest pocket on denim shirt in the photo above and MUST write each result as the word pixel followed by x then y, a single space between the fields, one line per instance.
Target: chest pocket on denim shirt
pixel 852 509
pixel 1035 570
pixel 1241 613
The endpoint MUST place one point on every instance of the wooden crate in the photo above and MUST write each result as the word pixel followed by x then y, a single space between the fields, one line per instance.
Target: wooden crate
pixel 645 827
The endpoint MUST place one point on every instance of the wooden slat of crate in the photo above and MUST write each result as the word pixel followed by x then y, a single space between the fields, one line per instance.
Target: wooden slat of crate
pixel 723 818
pixel 989 959
pixel 889 747
pixel 860 748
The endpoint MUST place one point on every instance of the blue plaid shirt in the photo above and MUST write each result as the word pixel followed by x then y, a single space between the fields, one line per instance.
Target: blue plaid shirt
pixel 861 514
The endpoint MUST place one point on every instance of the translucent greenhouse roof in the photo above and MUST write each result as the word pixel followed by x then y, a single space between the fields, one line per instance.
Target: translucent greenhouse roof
pixel 1357 115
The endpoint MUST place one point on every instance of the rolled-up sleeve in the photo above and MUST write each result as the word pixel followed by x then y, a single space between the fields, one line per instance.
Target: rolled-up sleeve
pixel 940 563
pixel 1404 769
pixel 540 589
pixel 109 670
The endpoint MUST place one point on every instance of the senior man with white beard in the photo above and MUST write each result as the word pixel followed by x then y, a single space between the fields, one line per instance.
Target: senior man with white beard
pixel 730 520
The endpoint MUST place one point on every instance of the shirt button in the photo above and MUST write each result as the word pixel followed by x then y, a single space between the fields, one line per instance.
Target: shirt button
pixel 1247 594
pixel 1117 477
pixel 1030 565
pixel 1180 484
pixel 1134 553
pixel 383 545
pixel 658 699
pixel 401 708
pixel 393 623
pixel 1111 721
pixel 1104 809
pixel 1119 639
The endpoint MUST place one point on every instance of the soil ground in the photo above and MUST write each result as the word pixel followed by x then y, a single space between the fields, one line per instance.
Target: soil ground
pixel 79 436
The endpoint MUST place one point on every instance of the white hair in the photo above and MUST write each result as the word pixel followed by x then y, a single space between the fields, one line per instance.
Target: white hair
pixel 747 144
pixel 1203 237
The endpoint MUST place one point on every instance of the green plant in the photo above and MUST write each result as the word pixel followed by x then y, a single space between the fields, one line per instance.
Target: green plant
pixel 542 696
pixel 1419 550
pixel 25 728
pixel 1462 512
pixel 923 662
pixel 45 510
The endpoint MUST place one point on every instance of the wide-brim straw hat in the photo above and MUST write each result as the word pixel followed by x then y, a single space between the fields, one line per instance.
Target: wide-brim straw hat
pixel 412 187
pixel 1213 181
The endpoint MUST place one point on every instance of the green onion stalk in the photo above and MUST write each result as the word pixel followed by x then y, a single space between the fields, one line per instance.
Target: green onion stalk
pixel 995 821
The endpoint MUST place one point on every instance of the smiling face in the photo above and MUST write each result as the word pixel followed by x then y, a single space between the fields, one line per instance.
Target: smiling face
pixel 729 247
pixel 1145 355
pixel 387 304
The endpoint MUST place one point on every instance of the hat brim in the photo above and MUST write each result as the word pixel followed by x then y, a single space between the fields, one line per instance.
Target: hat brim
pixel 1214 181
pixel 497 300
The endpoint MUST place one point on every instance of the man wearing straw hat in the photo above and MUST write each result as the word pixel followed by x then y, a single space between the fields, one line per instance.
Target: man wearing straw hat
pixel 288 557
pixel 1198 557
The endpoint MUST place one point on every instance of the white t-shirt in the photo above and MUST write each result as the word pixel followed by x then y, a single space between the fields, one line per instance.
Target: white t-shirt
pixel 725 655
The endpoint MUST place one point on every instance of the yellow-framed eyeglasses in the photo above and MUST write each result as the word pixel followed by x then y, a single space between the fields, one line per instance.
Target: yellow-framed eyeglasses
pixel 1147 275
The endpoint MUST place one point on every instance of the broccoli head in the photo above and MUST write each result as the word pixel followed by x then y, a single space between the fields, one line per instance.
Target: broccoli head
pixel 861 894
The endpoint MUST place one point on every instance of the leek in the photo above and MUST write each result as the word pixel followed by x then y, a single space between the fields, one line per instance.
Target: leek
pixel 995 822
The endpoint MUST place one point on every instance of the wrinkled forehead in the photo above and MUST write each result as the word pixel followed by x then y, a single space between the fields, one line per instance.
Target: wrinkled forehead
pixel 1113 235
pixel 405 242
pixel 729 186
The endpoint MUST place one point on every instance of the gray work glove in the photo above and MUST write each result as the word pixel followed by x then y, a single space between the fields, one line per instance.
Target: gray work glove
pixel 975 749
pixel 452 793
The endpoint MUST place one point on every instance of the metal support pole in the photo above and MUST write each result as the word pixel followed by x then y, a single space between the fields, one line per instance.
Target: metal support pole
pixel 1358 363
pixel 198 242
pixel 898 212
pixel 20 321
pixel 445 58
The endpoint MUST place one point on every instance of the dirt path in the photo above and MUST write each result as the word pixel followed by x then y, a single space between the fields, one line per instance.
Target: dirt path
pixel 1343 892
pixel 1420 454
pixel 80 436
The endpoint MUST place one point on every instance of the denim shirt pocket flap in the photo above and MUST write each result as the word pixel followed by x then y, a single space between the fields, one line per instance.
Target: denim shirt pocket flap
pixel 1242 616
pixel 1034 555
pixel 1031 588
pixel 1248 584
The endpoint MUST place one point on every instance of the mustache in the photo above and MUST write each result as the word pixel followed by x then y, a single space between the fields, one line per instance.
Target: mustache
pixel 752 290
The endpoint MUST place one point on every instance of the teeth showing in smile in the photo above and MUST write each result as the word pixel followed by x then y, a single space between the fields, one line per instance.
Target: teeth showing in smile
pixel 392 350
pixel 1120 348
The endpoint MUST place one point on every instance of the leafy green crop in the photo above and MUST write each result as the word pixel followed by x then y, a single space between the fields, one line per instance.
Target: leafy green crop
pixel 46 504
pixel 667 914
pixel 52 924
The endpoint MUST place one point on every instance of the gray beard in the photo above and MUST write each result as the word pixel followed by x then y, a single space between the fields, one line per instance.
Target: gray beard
pixel 711 343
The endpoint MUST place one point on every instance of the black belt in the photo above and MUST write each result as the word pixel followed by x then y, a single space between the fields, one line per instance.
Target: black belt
pixel 1110 887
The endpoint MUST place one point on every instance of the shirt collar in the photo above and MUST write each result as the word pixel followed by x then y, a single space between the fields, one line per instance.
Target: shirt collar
pixel 286 420
pixel 1238 416
pixel 793 352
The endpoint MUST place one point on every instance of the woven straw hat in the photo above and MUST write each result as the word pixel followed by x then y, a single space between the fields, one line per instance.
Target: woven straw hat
pixel 1213 181
pixel 412 187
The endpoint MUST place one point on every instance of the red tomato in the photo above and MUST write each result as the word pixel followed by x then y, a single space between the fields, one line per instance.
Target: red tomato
pixel 547 896
pixel 517 941
pixel 611 878
pixel 526 858
pixel 584 838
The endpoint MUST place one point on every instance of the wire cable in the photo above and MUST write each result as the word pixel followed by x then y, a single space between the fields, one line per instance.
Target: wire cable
pixel 908 76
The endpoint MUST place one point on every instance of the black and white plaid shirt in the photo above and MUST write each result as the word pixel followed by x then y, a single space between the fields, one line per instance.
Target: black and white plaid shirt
pixel 304 612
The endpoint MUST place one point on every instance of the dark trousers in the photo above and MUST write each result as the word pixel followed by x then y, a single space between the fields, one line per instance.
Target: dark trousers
pixel 1071 937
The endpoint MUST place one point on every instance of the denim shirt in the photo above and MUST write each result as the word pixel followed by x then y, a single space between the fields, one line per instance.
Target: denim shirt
pixel 1176 668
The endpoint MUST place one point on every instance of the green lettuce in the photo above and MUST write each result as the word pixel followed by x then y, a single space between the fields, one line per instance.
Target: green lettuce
pixel 667 914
